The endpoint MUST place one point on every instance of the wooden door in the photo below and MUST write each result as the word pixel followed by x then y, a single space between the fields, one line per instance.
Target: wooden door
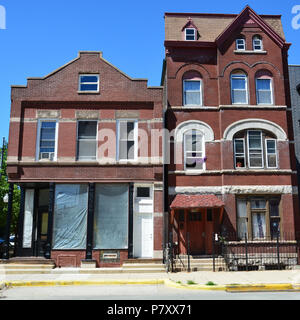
pixel 196 230
pixel 209 230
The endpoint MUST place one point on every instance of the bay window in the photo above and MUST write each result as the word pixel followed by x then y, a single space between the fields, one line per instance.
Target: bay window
pixel 87 140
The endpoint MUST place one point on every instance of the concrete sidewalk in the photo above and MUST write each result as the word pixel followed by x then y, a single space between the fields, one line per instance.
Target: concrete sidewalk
pixel 201 280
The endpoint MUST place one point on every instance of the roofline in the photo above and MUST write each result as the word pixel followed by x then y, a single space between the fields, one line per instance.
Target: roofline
pixel 229 15
pixel 77 58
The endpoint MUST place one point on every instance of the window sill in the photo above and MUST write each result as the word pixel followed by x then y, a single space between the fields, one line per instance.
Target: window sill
pixel 88 92
pixel 250 52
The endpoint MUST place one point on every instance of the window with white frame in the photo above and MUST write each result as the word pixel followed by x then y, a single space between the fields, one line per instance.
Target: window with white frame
pixel 257 43
pixel 255 149
pixel 239 88
pixel 192 95
pixel 86 140
pixel 194 158
pixel 240 44
pixel 88 83
pixel 47 140
pixel 127 139
pixel 264 91
pixel 190 34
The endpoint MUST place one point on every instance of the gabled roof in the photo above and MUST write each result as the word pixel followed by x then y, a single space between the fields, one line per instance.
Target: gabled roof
pixel 248 16
pixel 189 24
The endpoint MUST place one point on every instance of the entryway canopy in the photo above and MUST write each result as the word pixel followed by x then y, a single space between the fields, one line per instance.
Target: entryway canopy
pixel 184 201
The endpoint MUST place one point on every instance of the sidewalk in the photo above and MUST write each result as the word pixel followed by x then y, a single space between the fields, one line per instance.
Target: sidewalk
pixel 202 280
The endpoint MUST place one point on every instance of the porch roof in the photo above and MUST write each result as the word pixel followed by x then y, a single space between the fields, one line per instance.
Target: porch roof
pixel 183 201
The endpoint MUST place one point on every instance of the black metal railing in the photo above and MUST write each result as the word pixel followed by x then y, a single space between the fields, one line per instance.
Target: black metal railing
pixel 281 251
pixel 169 254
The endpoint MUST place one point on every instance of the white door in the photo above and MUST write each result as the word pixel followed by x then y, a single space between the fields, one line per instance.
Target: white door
pixel 143 235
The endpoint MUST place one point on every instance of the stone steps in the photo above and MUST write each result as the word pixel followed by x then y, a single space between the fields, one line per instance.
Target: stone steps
pixel 198 264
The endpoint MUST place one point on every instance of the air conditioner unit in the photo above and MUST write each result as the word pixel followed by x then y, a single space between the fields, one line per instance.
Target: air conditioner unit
pixel 47 155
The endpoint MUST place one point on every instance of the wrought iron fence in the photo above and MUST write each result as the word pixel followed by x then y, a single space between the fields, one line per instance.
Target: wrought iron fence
pixel 279 252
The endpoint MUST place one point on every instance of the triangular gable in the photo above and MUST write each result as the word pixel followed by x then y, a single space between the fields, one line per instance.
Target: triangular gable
pixel 248 16
pixel 189 24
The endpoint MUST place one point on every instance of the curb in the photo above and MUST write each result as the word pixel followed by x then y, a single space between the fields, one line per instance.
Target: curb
pixel 237 287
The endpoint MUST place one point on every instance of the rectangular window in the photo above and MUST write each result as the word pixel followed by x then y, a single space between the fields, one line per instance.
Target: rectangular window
pixel 87 140
pixel 88 83
pixel 242 219
pixel 240 44
pixel 264 91
pixel 28 218
pixel 239 94
pixel 192 92
pixel 239 153
pixel 194 157
pixel 264 215
pixel 70 216
pixel 271 153
pixel 111 216
pixel 255 149
pixel 127 139
pixel 143 192
pixel 190 34
pixel 47 139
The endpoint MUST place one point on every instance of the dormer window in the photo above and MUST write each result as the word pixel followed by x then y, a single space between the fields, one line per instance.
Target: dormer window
pixel 89 83
pixel 190 34
pixel 240 44
pixel 257 43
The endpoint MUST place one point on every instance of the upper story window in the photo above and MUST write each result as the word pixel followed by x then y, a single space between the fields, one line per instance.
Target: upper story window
pixel 89 83
pixel 192 89
pixel 194 158
pixel 127 142
pixel 239 88
pixel 190 34
pixel 47 140
pixel 240 44
pixel 86 140
pixel 264 92
pixel 257 43
pixel 255 149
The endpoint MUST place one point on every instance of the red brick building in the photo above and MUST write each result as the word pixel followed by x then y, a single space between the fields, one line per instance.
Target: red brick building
pixel 80 149
pixel 232 165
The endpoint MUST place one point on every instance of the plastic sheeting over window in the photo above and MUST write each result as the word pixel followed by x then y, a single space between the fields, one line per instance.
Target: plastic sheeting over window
pixel 70 216
pixel 111 217
pixel 28 218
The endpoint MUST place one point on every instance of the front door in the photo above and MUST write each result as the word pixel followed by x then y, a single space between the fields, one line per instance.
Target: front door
pixel 143 235
pixel 196 231
pixel 42 229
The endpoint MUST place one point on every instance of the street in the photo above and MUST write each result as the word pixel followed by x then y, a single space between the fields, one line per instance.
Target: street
pixel 134 292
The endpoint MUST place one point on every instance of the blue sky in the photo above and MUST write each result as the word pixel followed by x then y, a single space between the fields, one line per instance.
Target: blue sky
pixel 41 36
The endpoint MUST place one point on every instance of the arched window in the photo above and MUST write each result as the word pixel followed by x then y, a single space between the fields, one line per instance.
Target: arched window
pixel 264 90
pixel 239 87
pixel 194 153
pixel 192 89
pixel 255 149
pixel 240 43
pixel 257 43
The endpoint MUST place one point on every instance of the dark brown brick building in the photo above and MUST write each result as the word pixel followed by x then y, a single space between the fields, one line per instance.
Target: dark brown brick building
pixel 227 102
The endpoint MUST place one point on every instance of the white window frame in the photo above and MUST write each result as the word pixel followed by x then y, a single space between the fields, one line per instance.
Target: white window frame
pixel 256 38
pixel 200 93
pixel 262 151
pixel 241 76
pixel 203 151
pixel 38 142
pixel 87 75
pixel 239 154
pixel 271 91
pixel 276 154
pixel 238 44
pixel 135 134
pixel 194 30
pixel 77 140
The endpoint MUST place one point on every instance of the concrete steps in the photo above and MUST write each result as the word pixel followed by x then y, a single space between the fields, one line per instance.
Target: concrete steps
pixel 198 264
